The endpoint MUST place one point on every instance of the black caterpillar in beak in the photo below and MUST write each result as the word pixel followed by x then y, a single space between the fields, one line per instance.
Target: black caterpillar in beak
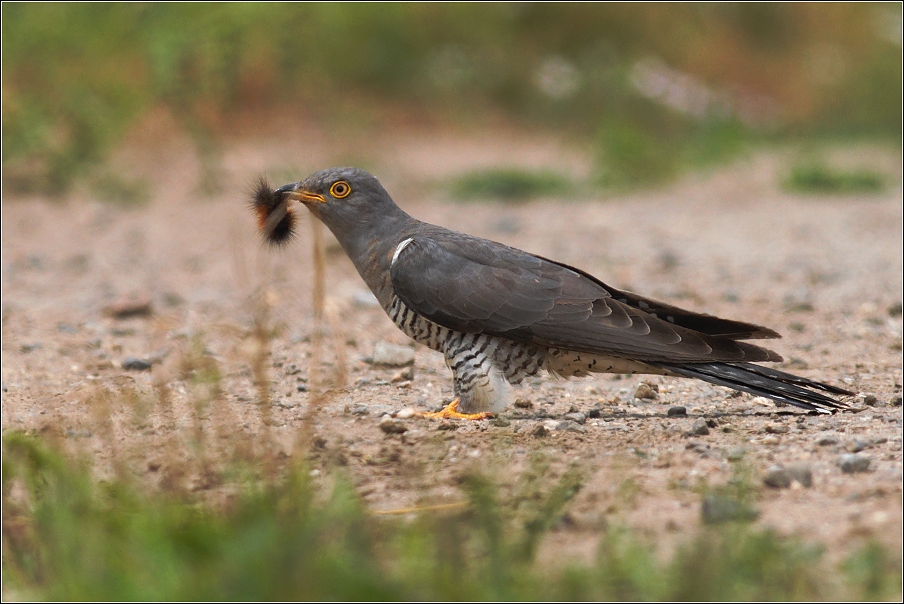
pixel 275 217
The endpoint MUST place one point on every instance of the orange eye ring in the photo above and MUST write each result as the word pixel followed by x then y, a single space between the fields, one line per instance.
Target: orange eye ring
pixel 340 189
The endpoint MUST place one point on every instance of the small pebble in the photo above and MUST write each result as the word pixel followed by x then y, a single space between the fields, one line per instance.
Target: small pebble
pixel 736 454
pixel 594 414
pixel 675 411
pixel 796 363
pixel 578 417
pixel 777 477
pixel 392 355
pixel 406 413
pixel 719 508
pixel 801 473
pixel 500 422
pixel 172 299
pixel 523 403
pixel 135 364
pixel 827 441
pixel 392 426
pixel 540 431
pixel 856 445
pixel 771 440
pixel 570 426
pixel 699 428
pixel 870 400
pixel 647 391
pixel 799 300
pixel 405 375
pixel 365 299
pixel 124 308
pixel 851 463
pixel 776 429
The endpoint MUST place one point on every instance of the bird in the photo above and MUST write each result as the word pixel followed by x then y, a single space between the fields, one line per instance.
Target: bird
pixel 499 314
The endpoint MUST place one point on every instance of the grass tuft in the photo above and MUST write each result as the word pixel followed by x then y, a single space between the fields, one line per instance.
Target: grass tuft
pixel 68 537
pixel 510 185
pixel 820 178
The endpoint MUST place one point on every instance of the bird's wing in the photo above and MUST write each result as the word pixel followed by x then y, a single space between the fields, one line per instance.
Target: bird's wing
pixel 701 322
pixel 475 285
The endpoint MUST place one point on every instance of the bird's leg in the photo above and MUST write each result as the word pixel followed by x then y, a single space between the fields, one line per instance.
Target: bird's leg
pixel 479 386
pixel 450 411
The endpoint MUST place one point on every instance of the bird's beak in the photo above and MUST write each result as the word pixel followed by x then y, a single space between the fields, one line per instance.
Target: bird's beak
pixel 306 196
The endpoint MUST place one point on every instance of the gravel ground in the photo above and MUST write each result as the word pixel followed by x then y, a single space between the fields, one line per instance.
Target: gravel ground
pixel 91 291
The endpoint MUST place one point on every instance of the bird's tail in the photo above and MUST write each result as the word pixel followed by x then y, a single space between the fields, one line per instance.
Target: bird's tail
pixel 764 381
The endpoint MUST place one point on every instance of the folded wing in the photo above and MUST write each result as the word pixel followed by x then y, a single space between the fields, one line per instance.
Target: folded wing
pixel 474 285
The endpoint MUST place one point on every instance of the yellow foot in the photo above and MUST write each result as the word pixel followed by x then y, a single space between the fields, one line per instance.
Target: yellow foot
pixel 451 412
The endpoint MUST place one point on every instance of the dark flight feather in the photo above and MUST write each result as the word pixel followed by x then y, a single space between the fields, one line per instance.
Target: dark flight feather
pixel 763 381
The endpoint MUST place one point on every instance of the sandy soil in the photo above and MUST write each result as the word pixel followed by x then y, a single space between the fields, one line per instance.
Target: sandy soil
pixel 824 271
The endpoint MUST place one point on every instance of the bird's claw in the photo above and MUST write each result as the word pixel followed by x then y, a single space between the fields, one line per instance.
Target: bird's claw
pixel 451 411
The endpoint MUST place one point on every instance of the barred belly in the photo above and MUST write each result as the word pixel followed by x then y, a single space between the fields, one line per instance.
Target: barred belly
pixel 483 365
pixel 418 328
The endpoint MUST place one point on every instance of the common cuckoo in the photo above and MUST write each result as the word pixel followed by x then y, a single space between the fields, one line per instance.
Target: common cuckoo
pixel 499 314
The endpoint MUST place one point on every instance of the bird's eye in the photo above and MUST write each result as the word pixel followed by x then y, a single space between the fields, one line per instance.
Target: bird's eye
pixel 340 189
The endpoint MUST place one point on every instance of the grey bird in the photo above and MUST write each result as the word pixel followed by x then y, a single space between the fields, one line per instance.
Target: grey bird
pixel 499 314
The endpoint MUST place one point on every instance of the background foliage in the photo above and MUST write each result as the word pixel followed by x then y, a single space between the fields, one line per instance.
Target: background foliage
pixel 65 537
pixel 654 86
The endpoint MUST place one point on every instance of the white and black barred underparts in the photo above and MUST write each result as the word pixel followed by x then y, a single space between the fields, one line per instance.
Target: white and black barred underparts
pixel 483 365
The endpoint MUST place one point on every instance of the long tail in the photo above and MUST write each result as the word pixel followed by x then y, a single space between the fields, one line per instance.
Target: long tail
pixel 763 381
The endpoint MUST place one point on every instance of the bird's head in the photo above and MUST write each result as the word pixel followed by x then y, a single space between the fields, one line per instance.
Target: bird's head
pixel 343 197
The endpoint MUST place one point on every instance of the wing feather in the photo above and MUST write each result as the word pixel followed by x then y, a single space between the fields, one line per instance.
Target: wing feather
pixel 474 285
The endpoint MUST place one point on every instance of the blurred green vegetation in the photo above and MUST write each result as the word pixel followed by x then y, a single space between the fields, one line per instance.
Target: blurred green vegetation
pixel 118 189
pixel 511 185
pixel 68 537
pixel 657 87
pixel 818 177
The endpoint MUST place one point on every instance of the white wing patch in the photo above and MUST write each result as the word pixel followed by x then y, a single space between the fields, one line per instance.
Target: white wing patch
pixel 399 249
